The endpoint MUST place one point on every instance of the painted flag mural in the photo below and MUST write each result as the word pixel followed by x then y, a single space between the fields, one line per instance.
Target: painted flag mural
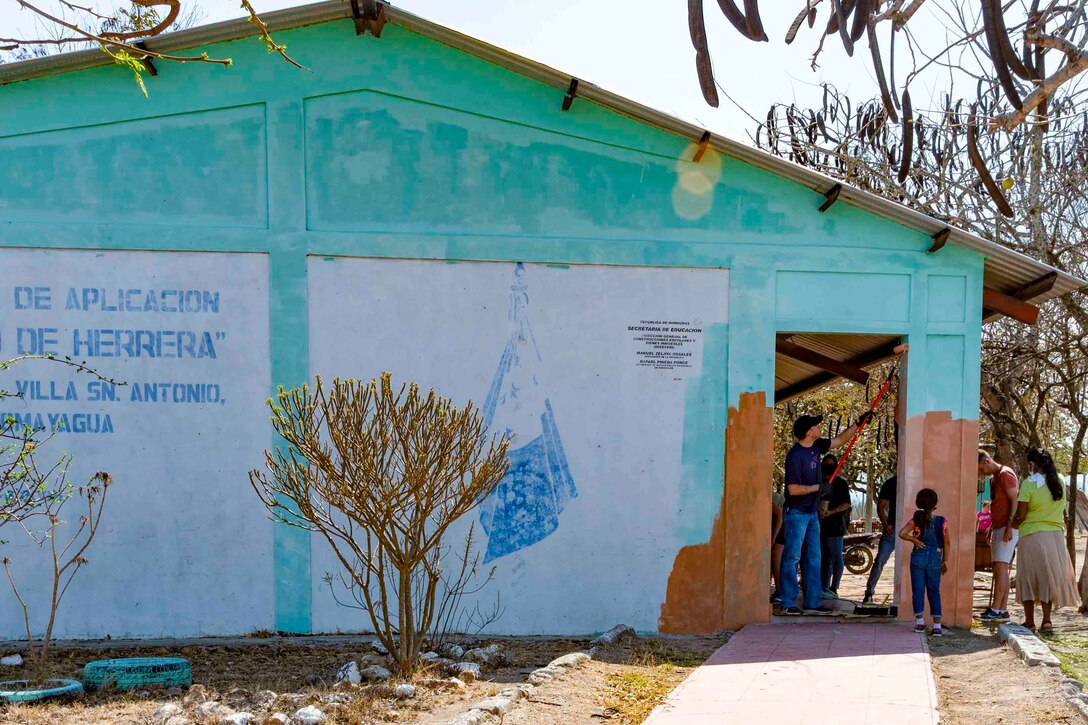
pixel 526 505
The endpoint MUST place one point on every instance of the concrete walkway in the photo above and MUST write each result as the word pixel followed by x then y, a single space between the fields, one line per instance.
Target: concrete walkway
pixel 812 673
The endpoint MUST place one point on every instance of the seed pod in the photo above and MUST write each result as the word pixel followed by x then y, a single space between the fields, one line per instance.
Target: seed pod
pixel 809 12
pixel 697 29
pixel 980 166
pixel 908 137
pixel 862 10
pixel 734 15
pixel 754 24
pixel 878 68
pixel 992 25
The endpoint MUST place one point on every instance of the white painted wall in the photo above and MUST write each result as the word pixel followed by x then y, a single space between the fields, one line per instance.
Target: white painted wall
pixel 621 424
pixel 185 547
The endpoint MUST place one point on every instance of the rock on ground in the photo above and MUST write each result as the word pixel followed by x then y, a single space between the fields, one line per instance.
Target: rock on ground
pixel 484 655
pixel 276 718
pixel 11 660
pixel 239 718
pixel 349 673
pixel 618 633
pixel 375 672
pixel 453 651
pixel 165 712
pixel 210 712
pixel 403 692
pixel 473 717
pixel 466 671
pixel 308 715
pixel 1030 648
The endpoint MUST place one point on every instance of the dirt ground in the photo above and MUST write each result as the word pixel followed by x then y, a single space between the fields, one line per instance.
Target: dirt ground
pixel 303 672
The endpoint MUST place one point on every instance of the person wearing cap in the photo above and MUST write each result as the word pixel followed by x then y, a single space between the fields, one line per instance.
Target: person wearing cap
pixel 804 478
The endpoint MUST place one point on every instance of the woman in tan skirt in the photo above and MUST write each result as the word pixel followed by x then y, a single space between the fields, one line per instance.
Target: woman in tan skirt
pixel 1044 573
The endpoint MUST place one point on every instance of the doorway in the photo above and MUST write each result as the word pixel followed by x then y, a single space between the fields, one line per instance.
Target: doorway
pixel 840 377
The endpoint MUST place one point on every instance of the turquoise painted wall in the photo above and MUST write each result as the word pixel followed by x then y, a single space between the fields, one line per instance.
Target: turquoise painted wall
pixel 403 147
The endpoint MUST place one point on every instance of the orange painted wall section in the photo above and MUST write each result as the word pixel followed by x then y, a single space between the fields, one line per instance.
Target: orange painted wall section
pixel 724 583
pixel 941 453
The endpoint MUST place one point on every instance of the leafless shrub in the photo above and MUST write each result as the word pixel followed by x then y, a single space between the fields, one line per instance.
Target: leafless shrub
pixel 382 475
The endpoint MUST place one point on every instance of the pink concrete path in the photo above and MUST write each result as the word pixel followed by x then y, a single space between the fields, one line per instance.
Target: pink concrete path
pixel 808 674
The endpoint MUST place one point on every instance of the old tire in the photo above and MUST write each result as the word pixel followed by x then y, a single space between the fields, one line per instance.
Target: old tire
pixel 858 559
pixel 133 672
pixel 53 688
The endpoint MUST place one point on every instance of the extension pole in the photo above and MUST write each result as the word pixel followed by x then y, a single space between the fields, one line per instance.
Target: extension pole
pixel 898 350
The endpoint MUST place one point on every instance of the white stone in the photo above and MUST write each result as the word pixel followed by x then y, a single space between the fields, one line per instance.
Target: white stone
pixel 496 705
pixel 429 657
pixel 166 712
pixel 349 673
pixel 617 634
pixel 11 660
pixel 308 715
pixel 467 671
pixel 484 655
pixel 453 651
pixel 263 698
pixel 210 712
pixel 378 647
pixel 1032 650
pixel 539 677
pixel 572 660
pixel 516 693
pixel 473 717
pixel 405 691
pixel 238 718
pixel 375 672
pixel 178 720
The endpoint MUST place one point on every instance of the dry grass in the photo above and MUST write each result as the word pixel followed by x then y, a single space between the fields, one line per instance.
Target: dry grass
pixel 632 695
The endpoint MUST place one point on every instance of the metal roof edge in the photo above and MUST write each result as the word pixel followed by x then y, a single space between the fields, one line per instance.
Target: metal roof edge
pixel 341 9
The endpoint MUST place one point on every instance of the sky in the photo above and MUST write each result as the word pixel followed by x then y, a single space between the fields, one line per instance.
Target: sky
pixel 637 48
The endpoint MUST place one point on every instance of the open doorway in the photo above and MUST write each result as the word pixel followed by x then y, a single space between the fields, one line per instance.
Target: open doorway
pixel 841 378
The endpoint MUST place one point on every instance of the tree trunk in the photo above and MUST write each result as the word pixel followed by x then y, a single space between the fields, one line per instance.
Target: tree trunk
pixel 1071 516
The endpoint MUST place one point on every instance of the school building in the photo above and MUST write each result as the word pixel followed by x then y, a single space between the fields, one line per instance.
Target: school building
pixel 626 293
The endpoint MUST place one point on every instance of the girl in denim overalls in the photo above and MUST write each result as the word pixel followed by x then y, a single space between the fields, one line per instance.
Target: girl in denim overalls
pixel 928 533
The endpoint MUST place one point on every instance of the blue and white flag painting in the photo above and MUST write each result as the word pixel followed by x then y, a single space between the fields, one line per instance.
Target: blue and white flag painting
pixel 526 505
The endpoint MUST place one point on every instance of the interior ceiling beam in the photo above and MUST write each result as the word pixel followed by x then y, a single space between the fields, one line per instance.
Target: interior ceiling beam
pixel 1026 293
pixel 879 354
pixel 828 364
pixel 1003 304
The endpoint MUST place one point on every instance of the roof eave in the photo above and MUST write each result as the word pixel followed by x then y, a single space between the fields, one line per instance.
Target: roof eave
pixel 341 9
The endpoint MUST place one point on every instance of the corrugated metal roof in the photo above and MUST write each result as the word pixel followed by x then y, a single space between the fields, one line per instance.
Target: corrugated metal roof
pixel 864 351
pixel 1006 269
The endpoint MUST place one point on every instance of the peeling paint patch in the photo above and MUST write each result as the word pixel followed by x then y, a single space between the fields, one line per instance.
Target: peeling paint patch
pixel 719 584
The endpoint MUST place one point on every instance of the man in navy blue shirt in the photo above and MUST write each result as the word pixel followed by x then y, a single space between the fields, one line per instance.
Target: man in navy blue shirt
pixel 802 520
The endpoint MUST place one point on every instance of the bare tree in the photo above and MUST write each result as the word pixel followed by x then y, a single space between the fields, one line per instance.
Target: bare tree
pixel 382 475
pixel 120 31
pixel 66 559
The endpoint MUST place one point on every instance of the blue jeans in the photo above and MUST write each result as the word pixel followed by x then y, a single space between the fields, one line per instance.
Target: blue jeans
pixel 831 563
pixel 925 580
pixel 883 553
pixel 801 528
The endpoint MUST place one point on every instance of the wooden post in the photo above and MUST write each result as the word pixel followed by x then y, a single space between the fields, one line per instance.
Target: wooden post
pixel 869 495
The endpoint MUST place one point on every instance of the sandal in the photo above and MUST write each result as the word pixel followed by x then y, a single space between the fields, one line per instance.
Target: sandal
pixel 1028 627
pixel 1046 627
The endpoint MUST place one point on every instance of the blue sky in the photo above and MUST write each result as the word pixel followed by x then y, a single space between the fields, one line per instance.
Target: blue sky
pixel 642 51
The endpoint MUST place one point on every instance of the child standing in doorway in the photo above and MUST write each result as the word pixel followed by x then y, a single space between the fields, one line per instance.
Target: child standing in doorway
pixel 929 534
